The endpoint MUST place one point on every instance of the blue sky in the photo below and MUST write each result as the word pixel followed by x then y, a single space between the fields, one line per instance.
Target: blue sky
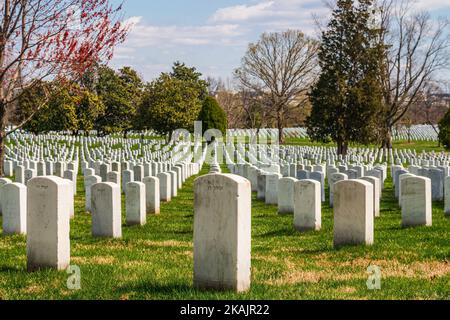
pixel 213 35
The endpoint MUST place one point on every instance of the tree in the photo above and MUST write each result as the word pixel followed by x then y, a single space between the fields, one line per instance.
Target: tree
pixel 48 39
pixel 282 67
pixel 69 108
pixel 430 106
pixel 133 83
pixel 347 96
pixel 191 77
pixel 213 116
pixel 444 131
pixel 30 101
pixel 215 86
pixel 89 107
pixel 58 113
pixel 230 103
pixel 120 93
pixel 134 87
pixel 169 103
pixel 255 109
pixel 417 47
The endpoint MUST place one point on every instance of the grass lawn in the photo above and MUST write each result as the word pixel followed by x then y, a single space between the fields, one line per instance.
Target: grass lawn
pixel 156 262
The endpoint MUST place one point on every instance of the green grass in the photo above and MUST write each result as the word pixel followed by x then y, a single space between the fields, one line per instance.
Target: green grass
pixel 156 262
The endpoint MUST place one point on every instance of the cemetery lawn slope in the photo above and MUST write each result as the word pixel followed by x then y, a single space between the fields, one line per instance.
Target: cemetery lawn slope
pixel 156 261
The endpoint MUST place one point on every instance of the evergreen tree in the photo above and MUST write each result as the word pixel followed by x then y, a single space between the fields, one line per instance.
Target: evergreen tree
pixel 213 116
pixel 347 97
pixel 444 131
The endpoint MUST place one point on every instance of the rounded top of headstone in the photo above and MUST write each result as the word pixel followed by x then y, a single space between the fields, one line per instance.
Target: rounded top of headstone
pixel 46 180
pixel 222 176
pixel 370 178
pixel 135 184
pixel 308 182
pixel 163 174
pixel 416 178
pixel 149 178
pixel 354 182
pixel 14 185
pixel 288 179
pixel 4 181
pixel 93 178
pixel 339 175
pixel 106 185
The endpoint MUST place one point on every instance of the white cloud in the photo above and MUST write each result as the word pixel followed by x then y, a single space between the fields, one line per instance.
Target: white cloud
pixel 431 4
pixel 274 15
pixel 243 12
pixel 132 21
pixel 146 35
pixel 152 49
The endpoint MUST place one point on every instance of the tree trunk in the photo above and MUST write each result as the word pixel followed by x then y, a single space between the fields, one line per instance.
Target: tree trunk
pixel 386 135
pixel 2 136
pixel 2 150
pixel 257 135
pixel 387 138
pixel 280 129
pixel 342 147
pixel 168 136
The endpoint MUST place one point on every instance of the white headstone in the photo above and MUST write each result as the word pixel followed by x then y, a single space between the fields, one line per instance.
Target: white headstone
pixel 48 223
pixel 335 178
pixel 376 194
pixel 127 176
pixel 14 208
pixel 307 204
pixel 165 190
pixel 447 197
pixel 416 201
pixel 106 210
pixel 272 188
pixel 135 204
pixel 286 195
pixel 152 196
pixel 353 213
pixel 89 181
pixel 71 176
pixel 222 232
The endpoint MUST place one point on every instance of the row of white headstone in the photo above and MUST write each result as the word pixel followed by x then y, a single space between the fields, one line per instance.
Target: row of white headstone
pixel 414 132
pixel 222 219
pixel 40 203
pixel 222 227
pixel 42 210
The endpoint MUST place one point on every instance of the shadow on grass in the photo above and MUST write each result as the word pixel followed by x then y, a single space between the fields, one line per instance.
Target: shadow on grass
pixel 190 231
pixel 279 232
pixel 18 269
pixel 150 287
